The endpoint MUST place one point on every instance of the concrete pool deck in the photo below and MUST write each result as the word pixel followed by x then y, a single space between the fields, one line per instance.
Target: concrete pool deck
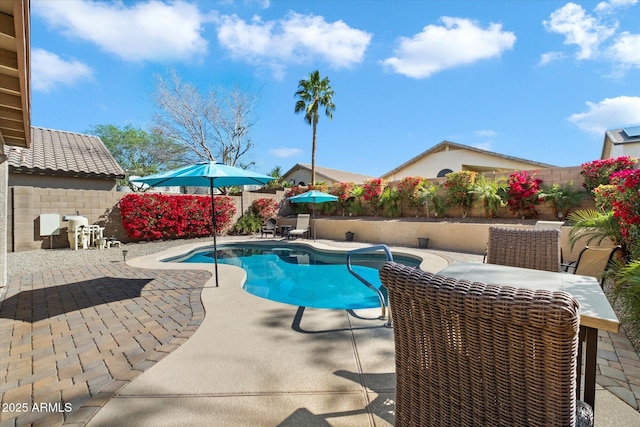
pixel 255 362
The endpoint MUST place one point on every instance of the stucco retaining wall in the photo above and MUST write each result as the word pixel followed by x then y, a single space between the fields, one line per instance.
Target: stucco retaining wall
pixel 450 236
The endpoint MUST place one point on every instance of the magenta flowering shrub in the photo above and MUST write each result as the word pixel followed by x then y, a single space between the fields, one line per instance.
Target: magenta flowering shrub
pixel 597 172
pixel 523 194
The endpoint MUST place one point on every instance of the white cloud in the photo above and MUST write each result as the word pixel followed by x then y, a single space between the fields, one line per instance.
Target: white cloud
pixel 610 113
pixel 626 50
pixel 48 70
pixel 611 5
pixel 294 39
pixel 580 29
pixel 548 57
pixel 439 47
pixel 284 152
pixel 595 39
pixel 146 31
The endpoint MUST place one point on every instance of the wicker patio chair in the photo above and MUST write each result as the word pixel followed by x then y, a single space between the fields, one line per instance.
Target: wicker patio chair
pixel 470 354
pixel 535 248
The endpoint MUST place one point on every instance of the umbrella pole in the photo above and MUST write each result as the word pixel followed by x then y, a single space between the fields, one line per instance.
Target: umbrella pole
pixel 213 230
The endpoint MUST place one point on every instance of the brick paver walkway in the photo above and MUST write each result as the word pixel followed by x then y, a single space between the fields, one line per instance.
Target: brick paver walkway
pixel 70 339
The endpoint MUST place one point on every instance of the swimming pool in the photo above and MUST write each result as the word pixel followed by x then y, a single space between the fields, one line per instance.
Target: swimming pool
pixel 302 276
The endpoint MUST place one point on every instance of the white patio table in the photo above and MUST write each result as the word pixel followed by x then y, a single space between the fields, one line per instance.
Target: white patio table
pixel 595 310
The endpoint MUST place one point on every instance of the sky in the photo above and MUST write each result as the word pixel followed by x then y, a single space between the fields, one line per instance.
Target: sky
pixel 540 80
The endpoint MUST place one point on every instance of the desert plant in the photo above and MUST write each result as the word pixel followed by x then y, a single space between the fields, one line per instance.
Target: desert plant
pixel 523 194
pixel 355 201
pixel 627 291
pixel 562 198
pixel 431 194
pixel 594 226
pixel 492 193
pixel 459 186
pixel 390 199
pixel 248 224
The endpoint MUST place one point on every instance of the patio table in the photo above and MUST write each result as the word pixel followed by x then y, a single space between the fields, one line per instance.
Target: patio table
pixel 595 311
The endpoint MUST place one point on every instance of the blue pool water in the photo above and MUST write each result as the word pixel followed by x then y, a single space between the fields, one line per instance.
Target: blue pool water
pixel 302 276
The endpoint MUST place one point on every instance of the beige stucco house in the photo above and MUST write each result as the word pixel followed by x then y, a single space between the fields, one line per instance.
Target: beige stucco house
pixel 621 142
pixel 15 100
pixel 449 156
pixel 300 174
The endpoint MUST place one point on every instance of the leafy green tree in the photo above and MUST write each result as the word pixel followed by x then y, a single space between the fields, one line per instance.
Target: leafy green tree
pixel 312 94
pixel 140 152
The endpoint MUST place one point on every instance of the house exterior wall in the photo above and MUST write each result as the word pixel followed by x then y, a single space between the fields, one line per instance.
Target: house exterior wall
pixel 456 159
pixel 303 175
pixel 628 149
pixel 62 182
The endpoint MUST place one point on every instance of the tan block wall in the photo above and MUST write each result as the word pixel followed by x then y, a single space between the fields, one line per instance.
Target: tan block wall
pixel 449 236
pixel 26 204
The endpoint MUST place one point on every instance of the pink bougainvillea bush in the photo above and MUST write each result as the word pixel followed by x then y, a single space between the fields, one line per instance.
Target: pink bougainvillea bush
pixel 598 172
pixel 151 216
pixel 523 194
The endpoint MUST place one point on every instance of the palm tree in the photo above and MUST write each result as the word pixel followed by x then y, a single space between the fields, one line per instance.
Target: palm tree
pixel 312 94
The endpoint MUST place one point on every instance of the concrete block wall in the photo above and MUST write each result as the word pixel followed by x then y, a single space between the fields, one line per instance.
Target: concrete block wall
pixel 26 204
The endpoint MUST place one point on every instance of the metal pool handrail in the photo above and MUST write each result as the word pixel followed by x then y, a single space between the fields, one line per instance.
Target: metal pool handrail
pixel 383 303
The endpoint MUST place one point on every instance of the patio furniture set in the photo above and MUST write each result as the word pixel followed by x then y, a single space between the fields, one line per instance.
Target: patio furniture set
pixel 511 341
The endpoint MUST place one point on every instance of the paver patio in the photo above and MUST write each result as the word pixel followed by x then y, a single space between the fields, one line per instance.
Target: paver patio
pixel 102 345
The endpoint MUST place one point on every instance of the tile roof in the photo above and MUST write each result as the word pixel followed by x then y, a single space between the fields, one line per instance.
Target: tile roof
pixel 331 174
pixel 442 145
pixel 56 152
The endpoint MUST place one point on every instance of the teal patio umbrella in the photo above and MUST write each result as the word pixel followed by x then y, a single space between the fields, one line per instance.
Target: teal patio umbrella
pixel 207 174
pixel 313 197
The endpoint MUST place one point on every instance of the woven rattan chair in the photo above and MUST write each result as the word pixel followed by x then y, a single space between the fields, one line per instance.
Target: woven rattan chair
pixel 470 354
pixel 535 248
